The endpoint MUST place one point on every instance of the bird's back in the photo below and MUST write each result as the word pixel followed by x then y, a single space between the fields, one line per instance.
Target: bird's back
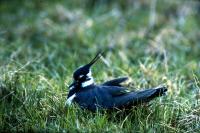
pixel 108 97
pixel 97 96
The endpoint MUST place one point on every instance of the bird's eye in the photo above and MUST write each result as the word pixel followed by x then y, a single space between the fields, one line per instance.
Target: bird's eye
pixel 81 76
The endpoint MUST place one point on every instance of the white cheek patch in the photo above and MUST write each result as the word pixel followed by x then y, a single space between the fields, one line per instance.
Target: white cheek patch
pixel 70 99
pixel 87 83
pixel 89 74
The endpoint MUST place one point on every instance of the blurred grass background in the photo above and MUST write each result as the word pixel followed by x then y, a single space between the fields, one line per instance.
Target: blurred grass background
pixel 153 42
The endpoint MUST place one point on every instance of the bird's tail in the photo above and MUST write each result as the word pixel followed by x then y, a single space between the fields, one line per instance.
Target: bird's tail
pixel 149 94
pixel 139 97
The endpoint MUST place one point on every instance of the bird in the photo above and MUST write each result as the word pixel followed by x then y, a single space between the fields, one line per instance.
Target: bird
pixel 108 95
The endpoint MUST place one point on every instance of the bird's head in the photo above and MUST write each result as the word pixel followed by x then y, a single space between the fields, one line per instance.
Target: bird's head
pixel 82 78
pixel 83 75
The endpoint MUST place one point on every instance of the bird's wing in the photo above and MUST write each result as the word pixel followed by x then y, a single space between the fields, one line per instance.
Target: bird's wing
pixel 134 98
pixel 116 90
pixel 115 82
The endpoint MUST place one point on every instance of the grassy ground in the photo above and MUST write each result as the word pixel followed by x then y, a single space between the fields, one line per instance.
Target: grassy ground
pixel 41 43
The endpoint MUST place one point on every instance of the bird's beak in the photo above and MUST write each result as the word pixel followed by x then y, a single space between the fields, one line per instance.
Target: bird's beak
pixel 72 85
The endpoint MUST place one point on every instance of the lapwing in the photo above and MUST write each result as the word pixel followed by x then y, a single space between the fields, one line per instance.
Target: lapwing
pixel 109 95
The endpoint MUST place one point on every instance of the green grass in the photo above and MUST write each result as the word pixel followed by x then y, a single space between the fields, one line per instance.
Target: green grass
pixel 42 43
